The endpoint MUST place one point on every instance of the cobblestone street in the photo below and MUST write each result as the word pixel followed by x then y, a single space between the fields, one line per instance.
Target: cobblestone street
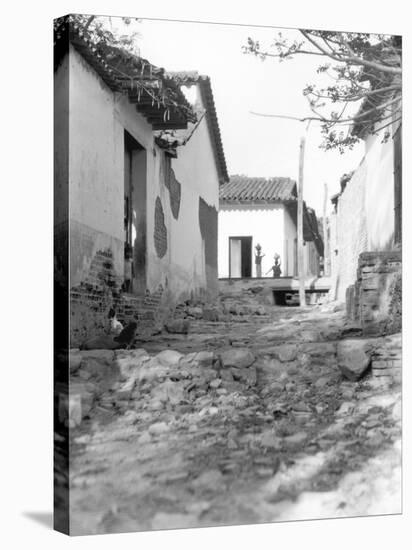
pixel 258 414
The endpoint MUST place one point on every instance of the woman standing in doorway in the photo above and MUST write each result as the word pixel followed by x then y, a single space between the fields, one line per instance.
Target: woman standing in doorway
pixel 258 260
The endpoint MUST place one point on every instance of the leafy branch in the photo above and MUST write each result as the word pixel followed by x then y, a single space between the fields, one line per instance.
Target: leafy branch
pixel 364 69
pixel 120 55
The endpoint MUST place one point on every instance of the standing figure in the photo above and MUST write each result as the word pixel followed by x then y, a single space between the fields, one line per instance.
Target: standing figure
pixel 258 260
pixel 276 266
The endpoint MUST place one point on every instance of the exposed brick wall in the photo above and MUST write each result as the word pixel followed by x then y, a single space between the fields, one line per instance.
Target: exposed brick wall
pixel 394 322
pixel 375 300
pixel 91 300
pixel 160 230
pixel 147 310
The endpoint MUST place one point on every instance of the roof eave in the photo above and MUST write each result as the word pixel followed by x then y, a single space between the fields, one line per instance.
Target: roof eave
pixel 157 115
pixel 258 202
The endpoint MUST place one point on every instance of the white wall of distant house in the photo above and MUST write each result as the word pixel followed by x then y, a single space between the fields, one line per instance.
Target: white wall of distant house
pixel 264 223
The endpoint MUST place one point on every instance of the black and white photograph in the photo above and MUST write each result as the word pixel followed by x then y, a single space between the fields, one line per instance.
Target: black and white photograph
pixel 205 307
pixel 227 274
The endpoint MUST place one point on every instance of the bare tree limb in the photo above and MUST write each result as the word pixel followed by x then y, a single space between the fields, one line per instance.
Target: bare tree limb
pixel 362 67
pixel 353 59
pixel 320 118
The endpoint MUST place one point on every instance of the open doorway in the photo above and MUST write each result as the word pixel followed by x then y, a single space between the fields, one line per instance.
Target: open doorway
pixel 240 257
pixel 134 215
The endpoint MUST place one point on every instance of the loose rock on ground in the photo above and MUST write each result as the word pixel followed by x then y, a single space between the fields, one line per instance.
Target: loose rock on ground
pixel 248 418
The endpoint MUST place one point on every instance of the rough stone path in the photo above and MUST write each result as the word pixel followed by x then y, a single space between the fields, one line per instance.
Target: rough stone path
pixel 245 420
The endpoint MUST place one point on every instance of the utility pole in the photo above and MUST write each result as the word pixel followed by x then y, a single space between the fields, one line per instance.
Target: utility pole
pixel 301 260
pixel 325 234
pixel 301 267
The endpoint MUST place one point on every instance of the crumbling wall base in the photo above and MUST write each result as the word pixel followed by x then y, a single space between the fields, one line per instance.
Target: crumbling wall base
pixel 375 300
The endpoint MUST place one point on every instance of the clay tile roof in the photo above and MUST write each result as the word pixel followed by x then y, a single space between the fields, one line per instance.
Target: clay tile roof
pixel 248 190
pixel 155 94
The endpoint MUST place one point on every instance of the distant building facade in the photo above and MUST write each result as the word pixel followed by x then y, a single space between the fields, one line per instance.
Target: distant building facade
pixel 260 211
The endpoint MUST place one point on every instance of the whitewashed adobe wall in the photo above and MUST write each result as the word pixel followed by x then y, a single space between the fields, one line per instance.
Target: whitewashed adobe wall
pixel 193 255
pixel 364 220
pixel 98 118
pixel 350 232
pixel 379 193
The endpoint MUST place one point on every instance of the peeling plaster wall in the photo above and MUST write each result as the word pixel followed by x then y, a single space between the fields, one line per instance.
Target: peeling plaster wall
pixel 264 223
pixel 96 169
pixel 98 119
pixel 187 264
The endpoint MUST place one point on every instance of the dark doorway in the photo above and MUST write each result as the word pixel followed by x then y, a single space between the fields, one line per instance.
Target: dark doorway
pixel 134 215
pixel 240 257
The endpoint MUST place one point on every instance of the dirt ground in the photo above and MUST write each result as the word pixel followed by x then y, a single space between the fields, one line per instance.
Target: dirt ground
pixel 248 419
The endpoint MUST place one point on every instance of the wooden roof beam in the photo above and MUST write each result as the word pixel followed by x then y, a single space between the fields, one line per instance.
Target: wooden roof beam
pixel 169 125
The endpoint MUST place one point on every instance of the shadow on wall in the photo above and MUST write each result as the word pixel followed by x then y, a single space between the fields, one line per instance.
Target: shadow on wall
pixel 335 290
pixel 208 229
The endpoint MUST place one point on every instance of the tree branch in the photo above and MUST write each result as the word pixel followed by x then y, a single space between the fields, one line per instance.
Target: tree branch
pixel 386 125
pixel 352 60
pixel 324 120
pixel 88 22
pixel 362 93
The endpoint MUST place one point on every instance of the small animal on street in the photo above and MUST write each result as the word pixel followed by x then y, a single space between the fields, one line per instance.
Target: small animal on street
pixel 127 336
pixel 116 326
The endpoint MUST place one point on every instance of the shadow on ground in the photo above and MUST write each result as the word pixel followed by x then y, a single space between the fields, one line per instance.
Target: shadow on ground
pixel 42 518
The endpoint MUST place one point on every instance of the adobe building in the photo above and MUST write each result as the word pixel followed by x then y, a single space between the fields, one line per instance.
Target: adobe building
pixel 137 169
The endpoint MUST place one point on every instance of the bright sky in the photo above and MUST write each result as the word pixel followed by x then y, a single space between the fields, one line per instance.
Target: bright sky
pixel 253 146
